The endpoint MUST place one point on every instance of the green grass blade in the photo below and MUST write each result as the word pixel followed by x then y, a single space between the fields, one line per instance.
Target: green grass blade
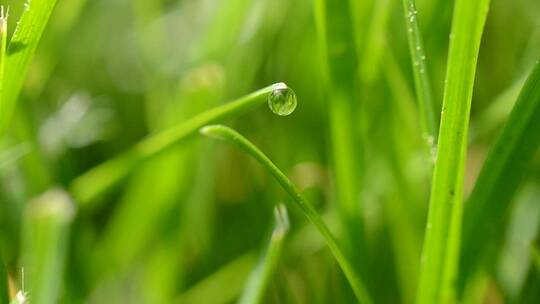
pixel 4 289
pixel 336 27
pixel 420 72
pixel 20 51
pixel 210 289
pixel 369 65
pixel 88 187
pixel 260 278
pixel 3 49
pixel 45 243
pixel 229 135
pixel 441 243
pixel 498 181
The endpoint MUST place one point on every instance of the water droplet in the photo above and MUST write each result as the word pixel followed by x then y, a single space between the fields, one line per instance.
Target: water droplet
pixel 282 100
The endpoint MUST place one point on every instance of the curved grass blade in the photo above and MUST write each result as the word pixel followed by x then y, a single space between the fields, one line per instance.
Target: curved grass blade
pixel 230 135
pixel 260 278
pixel 441 243
pixel 420 73
pixel 20 51
pixel 45 243
pixel 88 187
pixel 498 181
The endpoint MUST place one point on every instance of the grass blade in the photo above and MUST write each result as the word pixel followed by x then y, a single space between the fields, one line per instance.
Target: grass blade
pixel 88 187
pixel 45 238
pixel 420 72
pixel 260 278
pixel 20 51
pixel 3 49
pixel 441 243
pixel 498 181
pixel 210 289
pixel 335 26
pixel 228 134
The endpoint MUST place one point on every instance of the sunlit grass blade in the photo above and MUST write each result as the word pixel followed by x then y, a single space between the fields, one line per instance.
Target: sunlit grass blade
pixel 230 135
pixel 47 221
pixel 88 187
pixel 20 51
pixel 369 65
pixel 500 177
pixel 421 79
pixel 3 48
pixel 442 236
pixel 210 289
pixel 259 279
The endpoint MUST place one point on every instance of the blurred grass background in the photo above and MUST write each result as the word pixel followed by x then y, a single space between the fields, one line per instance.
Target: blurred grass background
pixel 188 225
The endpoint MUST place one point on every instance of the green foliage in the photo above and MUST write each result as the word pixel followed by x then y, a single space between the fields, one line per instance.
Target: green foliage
pixel 441 244
pixel 45 242
pixel 261 276
pixel 502 173
pixel 228 134
pixel 88 187
pixel 105 98
pixel 20 51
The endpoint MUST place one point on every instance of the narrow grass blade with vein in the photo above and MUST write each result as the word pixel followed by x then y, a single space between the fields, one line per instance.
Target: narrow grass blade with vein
pixel 45 242
pixel 88 187
pixel 442 236
pixel 230 135
pixel 421 79
pixel 259 279
pixel 498 181
pixel 20 51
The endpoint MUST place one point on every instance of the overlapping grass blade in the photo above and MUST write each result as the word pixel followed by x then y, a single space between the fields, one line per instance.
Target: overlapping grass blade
pixel 88 187
pixel 229 135
pixel 20 50
pixel 336 27
pixel 441 243
pixel 259 279
pixel 45 242
pixel 210 289
pixel 504 169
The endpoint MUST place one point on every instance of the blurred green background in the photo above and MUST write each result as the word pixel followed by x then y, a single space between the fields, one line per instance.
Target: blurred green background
pixel 188 225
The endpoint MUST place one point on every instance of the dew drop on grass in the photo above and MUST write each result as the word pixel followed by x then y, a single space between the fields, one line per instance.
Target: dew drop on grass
pixel 282 100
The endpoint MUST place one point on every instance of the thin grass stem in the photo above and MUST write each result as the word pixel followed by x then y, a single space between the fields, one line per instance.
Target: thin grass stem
pixel 90 186
pixel 259 279
pixel 230 135
pixel 421 78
